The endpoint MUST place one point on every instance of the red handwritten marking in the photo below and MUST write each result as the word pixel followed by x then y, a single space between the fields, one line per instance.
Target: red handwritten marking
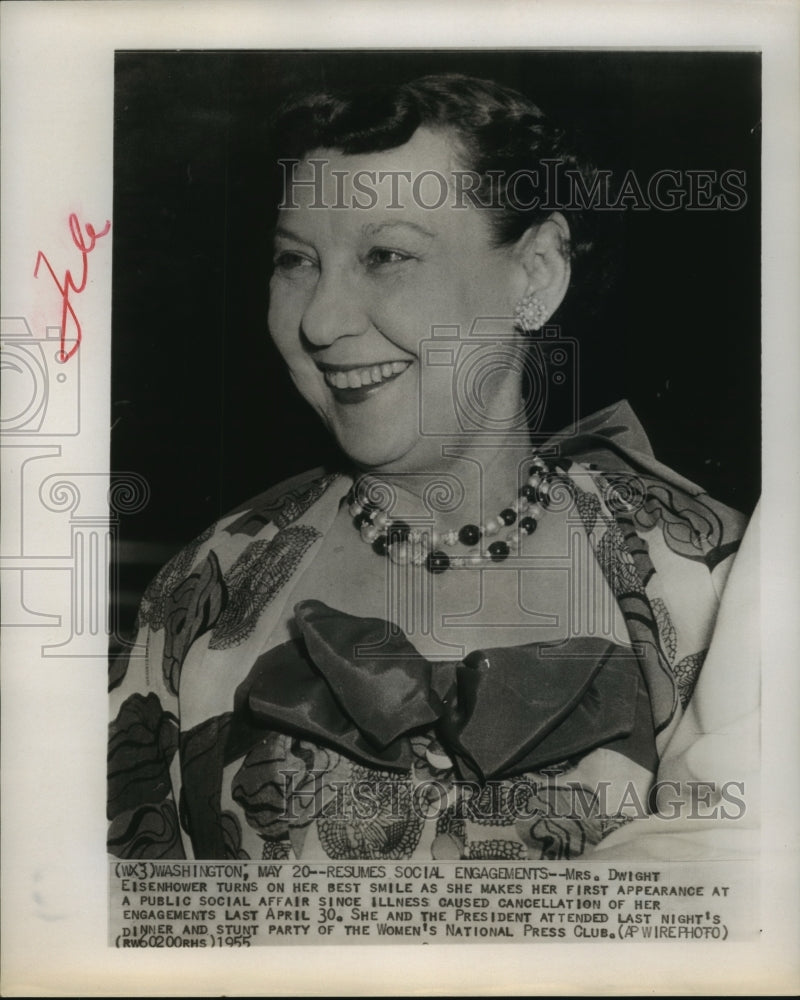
pixel 85 243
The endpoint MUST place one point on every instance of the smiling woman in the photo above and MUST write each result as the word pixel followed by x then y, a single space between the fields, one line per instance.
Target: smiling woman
pixel 350 295
pixel 475 635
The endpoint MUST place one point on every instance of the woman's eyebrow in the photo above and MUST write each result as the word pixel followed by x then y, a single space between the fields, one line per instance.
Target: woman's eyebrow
pixel 373 228
pixel 289 235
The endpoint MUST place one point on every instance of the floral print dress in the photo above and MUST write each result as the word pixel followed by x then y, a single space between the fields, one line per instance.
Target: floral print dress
pixel 226 742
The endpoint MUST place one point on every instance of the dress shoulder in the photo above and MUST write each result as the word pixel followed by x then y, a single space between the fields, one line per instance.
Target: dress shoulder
pixel 280 504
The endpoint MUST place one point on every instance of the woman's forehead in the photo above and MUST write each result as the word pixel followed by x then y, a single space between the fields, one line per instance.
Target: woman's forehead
pixel 413 175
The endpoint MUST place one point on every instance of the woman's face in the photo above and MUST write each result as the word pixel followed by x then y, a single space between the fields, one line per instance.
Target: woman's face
pixel 356 292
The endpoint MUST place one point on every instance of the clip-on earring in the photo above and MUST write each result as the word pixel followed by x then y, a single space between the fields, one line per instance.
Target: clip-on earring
pixel 530 313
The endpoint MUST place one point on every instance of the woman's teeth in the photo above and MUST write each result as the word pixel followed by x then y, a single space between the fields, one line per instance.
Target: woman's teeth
pixel 355 378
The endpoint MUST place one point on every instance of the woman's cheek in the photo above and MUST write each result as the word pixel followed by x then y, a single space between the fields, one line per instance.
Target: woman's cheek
pixel 284 318
pixel 310 385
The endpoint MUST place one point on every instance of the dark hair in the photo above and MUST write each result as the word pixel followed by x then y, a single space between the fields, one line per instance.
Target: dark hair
pixel 498 131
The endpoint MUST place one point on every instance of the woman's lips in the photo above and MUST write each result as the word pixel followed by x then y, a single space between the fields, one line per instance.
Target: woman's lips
pixel 353 385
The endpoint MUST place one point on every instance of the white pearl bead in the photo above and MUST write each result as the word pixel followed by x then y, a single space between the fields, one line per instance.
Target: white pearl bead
pixel 491 527
pixel 369 532
pixel 418 555
pixel 355 509
pixel 381 519
pixel 534 481
pixel 398 553
pixel 450 537
pixel 535 511
pixel 475 559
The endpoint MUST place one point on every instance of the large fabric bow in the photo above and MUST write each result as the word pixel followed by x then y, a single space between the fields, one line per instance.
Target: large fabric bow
pixel 359 685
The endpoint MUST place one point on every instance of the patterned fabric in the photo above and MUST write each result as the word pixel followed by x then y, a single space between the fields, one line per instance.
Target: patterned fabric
pixel 229 742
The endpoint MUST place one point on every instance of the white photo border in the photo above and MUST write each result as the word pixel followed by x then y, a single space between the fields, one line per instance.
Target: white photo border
pixel 57 114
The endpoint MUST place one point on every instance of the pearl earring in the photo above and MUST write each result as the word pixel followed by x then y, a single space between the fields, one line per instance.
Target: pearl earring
pixel 530 313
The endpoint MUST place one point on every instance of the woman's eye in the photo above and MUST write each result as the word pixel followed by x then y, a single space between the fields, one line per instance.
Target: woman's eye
pixel 379 256
pixel 290 261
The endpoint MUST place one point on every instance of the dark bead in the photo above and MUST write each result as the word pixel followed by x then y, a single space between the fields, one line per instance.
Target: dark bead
pixel 528 525
pixel 528 491
pixel 437 562
pixel 498 551
pixel 397 532
pixel 508 516
pixel 470 534
pixel 379 545
pixel 365 517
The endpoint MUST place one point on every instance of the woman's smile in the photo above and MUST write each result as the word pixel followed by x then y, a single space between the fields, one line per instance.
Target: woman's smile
pixel 354 384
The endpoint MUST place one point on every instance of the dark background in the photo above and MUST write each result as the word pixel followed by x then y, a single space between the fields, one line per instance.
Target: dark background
pixel 201 405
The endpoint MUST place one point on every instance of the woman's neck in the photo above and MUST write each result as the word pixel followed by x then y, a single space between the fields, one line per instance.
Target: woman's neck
pixel 470 485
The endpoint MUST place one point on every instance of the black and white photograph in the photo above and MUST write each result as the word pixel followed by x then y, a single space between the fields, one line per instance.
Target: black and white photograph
pixel 424 534
pixel 497 401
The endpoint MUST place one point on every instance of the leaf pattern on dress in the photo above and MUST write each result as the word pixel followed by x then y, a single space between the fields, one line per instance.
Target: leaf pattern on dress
pixel 255 578
pixel 154 599
pixel 295 503
pixel 276 850
pixel 142 741
pixel 282 784
pixel 151 831
pixel 691 527
pixel 232 837
pixel 666 628
pixel 558 833
pixel 450 842
pixel 522 819
pixel 497 848
pixel 286 509
pixel 686 674
pixel 617 563
pixel 589 508
pixel 389 827
pixel 191 610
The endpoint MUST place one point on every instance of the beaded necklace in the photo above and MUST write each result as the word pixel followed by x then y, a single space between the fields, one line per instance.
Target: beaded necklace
pixel 398 541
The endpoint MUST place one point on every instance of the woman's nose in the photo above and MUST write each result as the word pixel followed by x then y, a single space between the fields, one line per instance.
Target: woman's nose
pixel 335 310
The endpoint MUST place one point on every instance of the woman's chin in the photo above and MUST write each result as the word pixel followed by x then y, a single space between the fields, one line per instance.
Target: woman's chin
pixel 377 455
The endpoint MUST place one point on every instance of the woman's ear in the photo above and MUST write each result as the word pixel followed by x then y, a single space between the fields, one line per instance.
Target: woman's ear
pixel 543 252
